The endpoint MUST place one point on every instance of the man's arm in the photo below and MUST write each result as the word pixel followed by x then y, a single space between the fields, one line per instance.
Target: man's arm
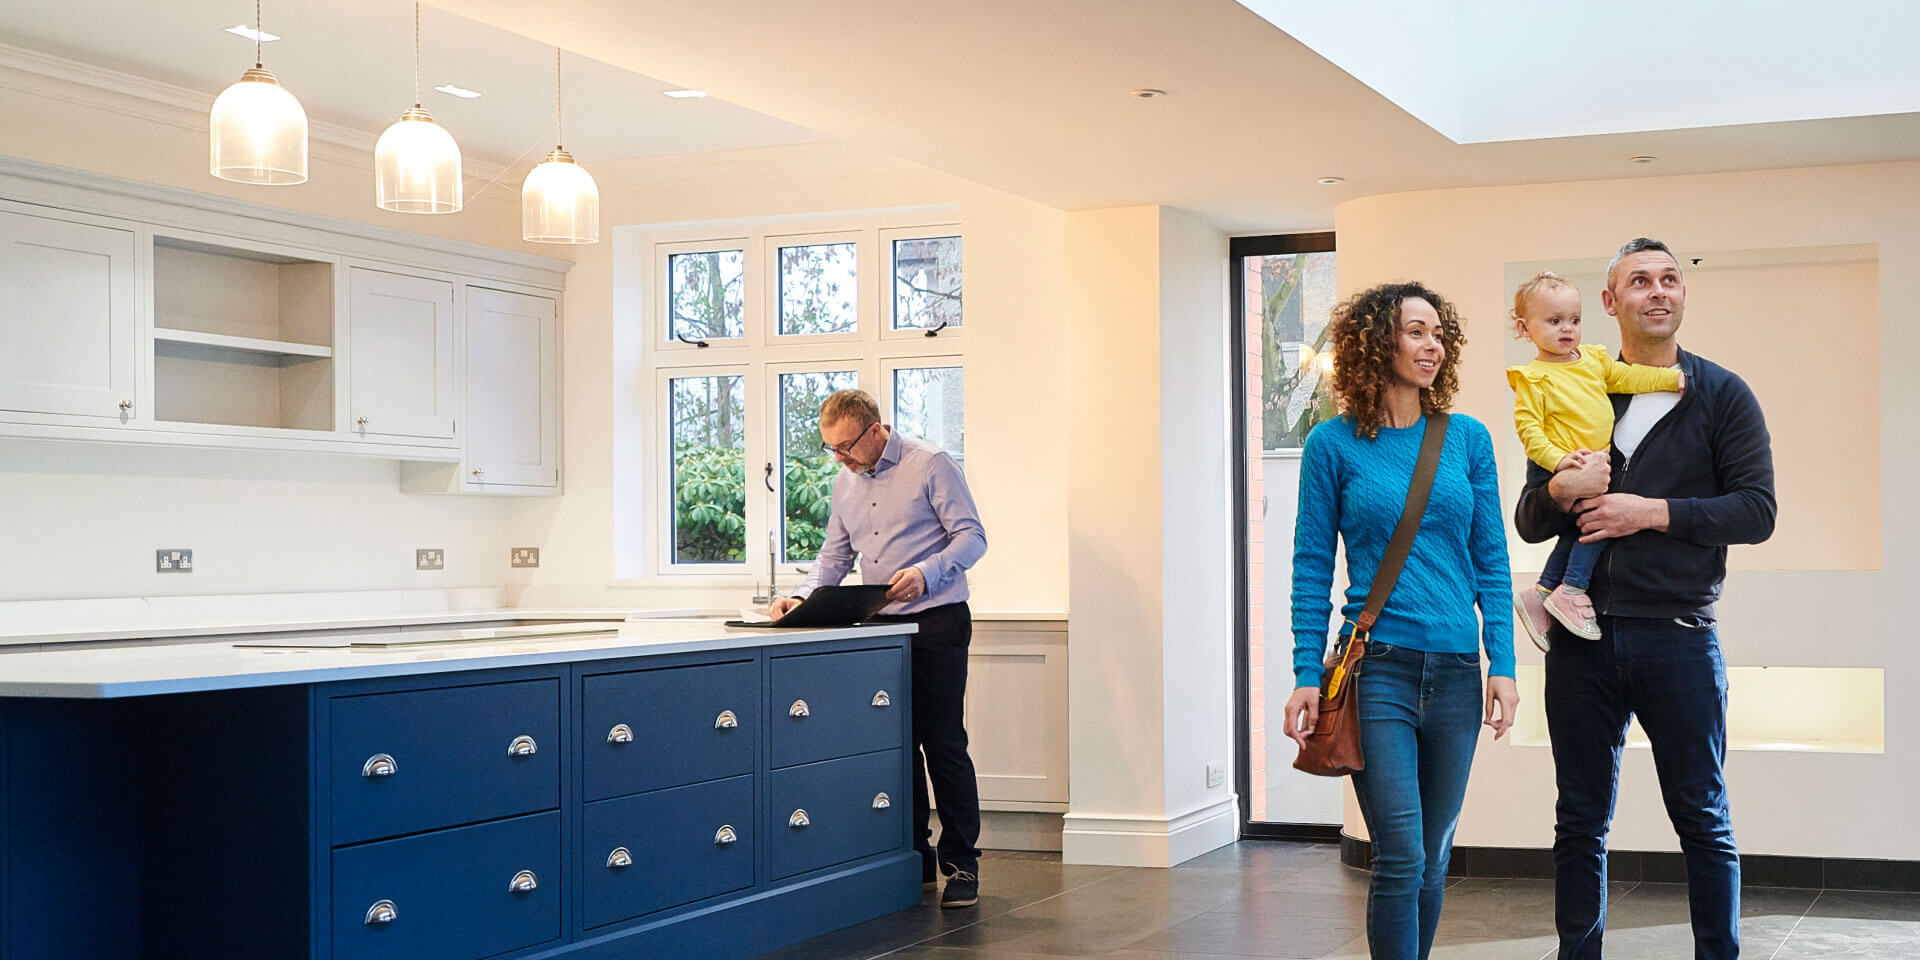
pixel 952 503
pixel 1545 507
pixel 833 562
pixel 1745 510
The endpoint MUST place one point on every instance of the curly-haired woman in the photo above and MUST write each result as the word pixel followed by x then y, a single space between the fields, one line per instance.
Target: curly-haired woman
pixel 1396 351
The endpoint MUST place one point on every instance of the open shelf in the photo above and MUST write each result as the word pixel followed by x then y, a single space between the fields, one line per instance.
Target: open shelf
pixel 245 344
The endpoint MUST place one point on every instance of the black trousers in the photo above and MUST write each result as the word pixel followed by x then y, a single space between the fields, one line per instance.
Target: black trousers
pixel 940 737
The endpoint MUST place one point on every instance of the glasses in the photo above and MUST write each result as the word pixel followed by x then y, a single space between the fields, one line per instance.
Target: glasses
pixel 846 449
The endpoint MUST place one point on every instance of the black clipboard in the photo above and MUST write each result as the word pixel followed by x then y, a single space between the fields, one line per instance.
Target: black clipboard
pixel 830 607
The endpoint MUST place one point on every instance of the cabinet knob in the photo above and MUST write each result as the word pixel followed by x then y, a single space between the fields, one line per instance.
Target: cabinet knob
pixel 881 699
pixel 881 801
pixel 799 709
pixel 619 859
pixel 522 746
pixel 362 422
pixel 476 473
pixel 725 836
pixel 621 733
pixel 382 912
pixel 798 820
pixel 726 720
pixel 126 406
pixel 523 882
pixel 379 765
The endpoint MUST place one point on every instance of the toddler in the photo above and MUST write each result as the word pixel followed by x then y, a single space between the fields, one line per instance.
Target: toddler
pixel 1562 411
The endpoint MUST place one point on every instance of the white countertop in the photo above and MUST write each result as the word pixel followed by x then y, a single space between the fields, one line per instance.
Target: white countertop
pixel 256 625
pixel 227 663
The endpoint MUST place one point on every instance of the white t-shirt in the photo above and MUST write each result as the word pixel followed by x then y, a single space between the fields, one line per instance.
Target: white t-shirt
pixel 1643 411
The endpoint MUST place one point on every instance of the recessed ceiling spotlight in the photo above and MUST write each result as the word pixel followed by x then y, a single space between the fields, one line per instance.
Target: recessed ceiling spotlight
pixel 685 94
pixel 242 30
pixel 461 92
pixel 1330 181
pixel 1149 93
pixel 1642 159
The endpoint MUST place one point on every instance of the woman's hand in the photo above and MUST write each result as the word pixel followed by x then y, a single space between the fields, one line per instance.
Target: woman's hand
pixel 1303 713
pixel 1503 693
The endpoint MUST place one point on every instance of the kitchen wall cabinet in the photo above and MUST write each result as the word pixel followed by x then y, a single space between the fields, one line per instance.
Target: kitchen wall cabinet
pixel 66 318
pixel 136 313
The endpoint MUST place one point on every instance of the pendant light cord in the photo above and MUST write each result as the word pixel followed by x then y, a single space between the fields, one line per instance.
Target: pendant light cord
pixel 257 64
pixel 416 51
pixel 559 116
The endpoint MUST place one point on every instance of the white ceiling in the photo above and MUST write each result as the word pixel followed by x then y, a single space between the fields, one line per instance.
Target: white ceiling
pixel 1486 70
pixel 1029 97
pixel 350 62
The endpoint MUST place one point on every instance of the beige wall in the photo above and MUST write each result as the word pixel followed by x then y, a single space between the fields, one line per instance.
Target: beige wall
pixel 1815 598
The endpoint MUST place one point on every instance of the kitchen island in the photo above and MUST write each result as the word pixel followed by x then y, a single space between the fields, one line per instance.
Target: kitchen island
pixel 656 788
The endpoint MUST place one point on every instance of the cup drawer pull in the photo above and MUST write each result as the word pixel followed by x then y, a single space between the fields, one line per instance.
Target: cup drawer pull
pixel 621 733
pixel 620 857
pixel 522 746
pixel 799 709
pixel 882 700
pixel 379 765
pixel 725 836
pixel 382 912
pixel 726 720
pixel 523 882
pixel 881 801
pixel 799 820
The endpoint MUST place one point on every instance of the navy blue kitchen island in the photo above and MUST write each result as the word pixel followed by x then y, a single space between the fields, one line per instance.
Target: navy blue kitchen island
pixel 681 790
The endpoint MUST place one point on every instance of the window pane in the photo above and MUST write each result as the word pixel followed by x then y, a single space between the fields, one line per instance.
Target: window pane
pixel 817 285
pixel 927 403
pixel 709 469
pixel 703 294
pixel 926 283
pixel 1292 295
pixel 806 470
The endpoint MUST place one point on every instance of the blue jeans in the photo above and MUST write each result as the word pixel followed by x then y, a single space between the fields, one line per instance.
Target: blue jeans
pixel 1419 722
pixel 1571 562
pixel 1670 674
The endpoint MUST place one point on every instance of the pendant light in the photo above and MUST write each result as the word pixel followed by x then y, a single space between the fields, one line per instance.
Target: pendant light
pixel 416 164
pixel 559 202
pixel 257 132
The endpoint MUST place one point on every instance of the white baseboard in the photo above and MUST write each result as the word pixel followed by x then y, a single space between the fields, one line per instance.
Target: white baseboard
pixel 1149 841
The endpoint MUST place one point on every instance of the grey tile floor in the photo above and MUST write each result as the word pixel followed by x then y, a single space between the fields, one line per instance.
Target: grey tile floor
pixel 1285 900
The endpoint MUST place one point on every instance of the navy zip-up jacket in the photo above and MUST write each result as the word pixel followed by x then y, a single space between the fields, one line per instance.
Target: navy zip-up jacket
pixel 1711 459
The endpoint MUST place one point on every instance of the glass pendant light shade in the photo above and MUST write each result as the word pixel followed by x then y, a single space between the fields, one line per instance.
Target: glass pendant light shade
pixel 258 132
pixel 416 166
pixel 559 202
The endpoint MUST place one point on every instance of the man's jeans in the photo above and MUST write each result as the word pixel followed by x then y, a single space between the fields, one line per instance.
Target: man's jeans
pixel 1419 722
pixel 1670 674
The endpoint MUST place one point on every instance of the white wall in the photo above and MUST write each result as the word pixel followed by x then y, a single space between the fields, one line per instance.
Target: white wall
pixel 83 520
pixel 1811 607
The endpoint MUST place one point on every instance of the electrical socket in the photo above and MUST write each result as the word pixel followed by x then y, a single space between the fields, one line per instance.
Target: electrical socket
pixel 429 559
pixel 525 556
pixel 173 561
pixel 1216 773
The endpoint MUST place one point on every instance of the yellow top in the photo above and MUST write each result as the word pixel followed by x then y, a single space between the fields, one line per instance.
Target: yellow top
pixel 1562 407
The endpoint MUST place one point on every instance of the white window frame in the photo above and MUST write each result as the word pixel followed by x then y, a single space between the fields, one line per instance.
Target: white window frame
pixel 661 279
pixel 761 355
pixel 863 300
pixel 887 305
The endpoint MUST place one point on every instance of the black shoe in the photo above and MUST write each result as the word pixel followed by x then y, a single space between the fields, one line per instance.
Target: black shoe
pixel 963 890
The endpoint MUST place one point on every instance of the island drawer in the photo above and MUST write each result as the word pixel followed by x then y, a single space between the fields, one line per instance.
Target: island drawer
pixel 665 848
pixel 456 894
pixel 829 705
pixel 834 811
pixel 650 729
pixel 423 759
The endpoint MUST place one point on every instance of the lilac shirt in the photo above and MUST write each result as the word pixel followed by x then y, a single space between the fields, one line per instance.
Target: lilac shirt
pixel 913 510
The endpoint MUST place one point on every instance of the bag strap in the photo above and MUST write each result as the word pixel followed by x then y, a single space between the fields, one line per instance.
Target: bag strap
pixel 1395 558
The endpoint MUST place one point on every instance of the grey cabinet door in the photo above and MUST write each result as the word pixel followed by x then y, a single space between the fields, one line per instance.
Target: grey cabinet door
pixel 66 318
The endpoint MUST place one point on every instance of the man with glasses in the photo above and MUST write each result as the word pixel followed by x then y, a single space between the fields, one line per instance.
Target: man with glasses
pixel 902 505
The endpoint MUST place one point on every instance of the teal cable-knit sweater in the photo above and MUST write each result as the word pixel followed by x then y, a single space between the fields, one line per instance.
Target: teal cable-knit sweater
pixel 1354 489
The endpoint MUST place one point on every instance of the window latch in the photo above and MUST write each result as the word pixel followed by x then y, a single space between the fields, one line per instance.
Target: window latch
pixel 769 479
pixel 702 343
pixel 936 330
